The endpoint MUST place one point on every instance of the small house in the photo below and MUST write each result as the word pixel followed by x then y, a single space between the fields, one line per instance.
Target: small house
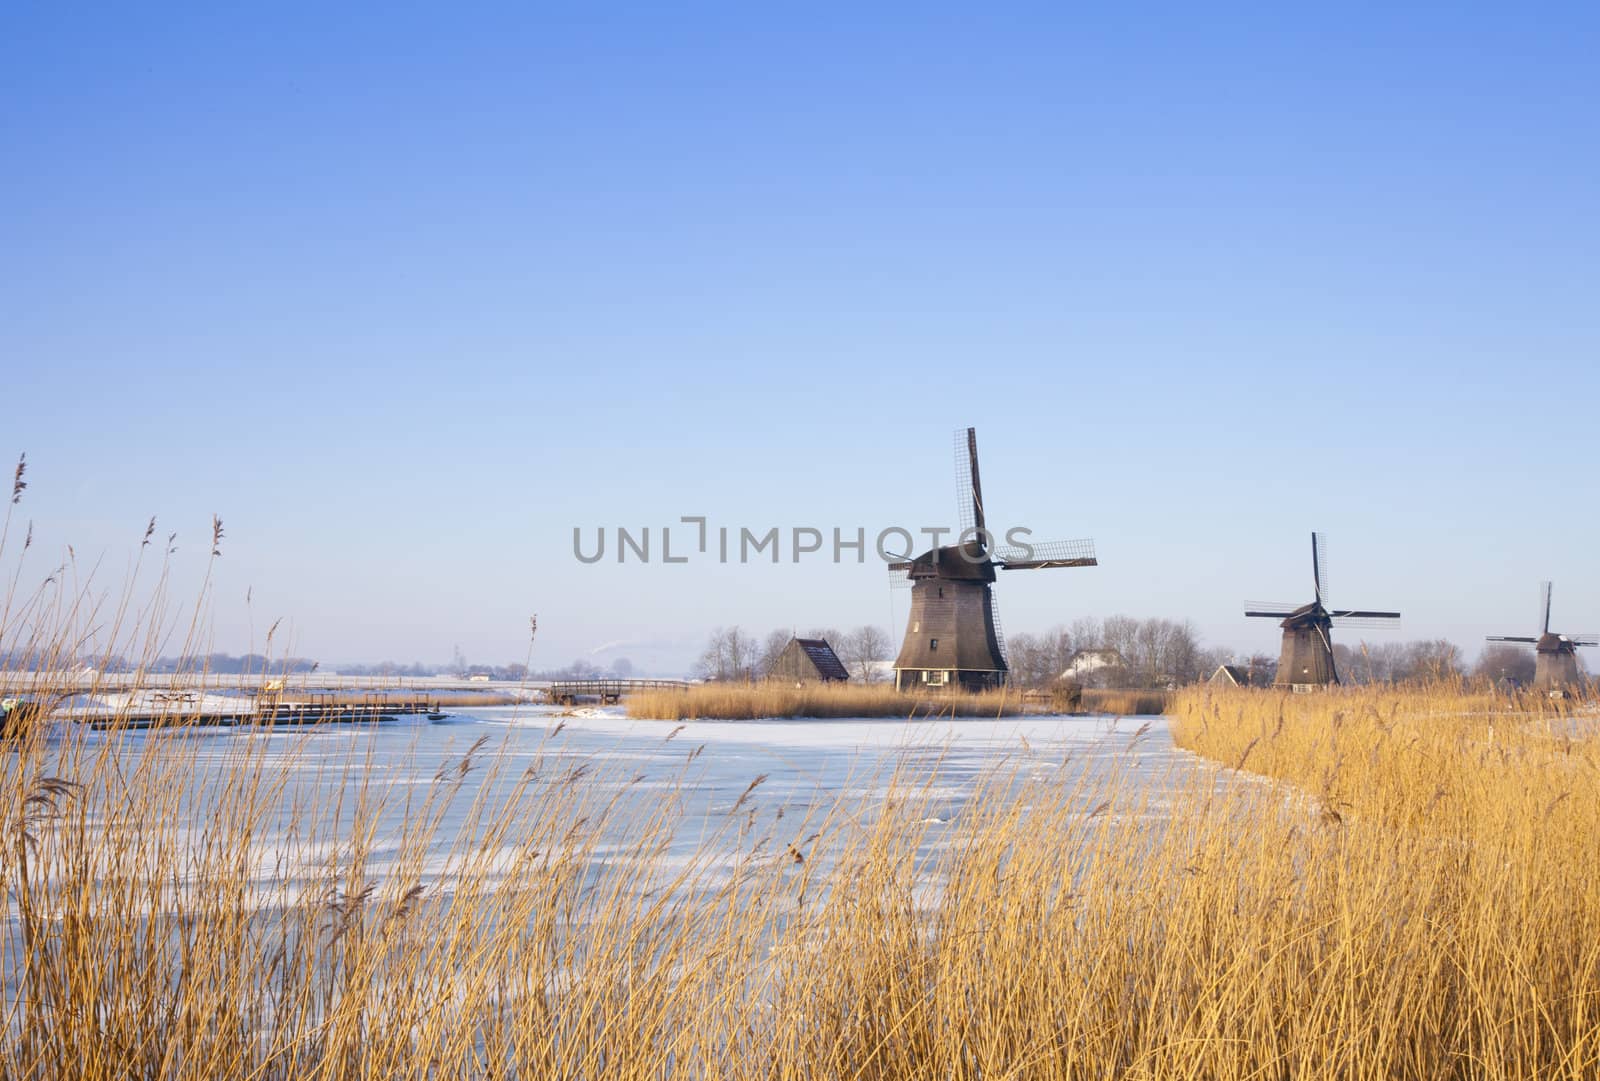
pixel 1230 675
pixel 807 660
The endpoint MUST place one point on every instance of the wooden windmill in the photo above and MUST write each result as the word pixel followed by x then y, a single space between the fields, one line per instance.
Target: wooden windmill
pixel 953 637
pixel 1555 663
pixel 1307 657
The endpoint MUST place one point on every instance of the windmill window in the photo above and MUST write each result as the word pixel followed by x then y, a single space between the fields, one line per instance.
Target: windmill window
pixel 941 591
pixel 933 644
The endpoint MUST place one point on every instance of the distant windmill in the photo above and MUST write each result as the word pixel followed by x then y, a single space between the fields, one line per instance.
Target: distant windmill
pixel 1555 663
pixel 1307 657
pixel 952 635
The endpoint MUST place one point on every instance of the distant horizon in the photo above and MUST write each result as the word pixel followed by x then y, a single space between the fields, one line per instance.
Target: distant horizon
pixel 537 667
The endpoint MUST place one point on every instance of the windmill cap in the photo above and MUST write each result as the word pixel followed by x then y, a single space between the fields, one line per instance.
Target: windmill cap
pixel 961 562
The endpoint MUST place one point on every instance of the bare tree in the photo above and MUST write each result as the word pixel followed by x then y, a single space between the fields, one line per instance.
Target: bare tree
pixel 1024 653
pixel 1038 660
pixel 831 635
pixel 776 642
pixel 730 654
pixel 1503 660
pixel 1433 659
pixel 1261 669
pixel 1209 660
pixel 1119 634
pixel 1396 662
pixel 1161 653
pixel 1086 632
pixel 862 649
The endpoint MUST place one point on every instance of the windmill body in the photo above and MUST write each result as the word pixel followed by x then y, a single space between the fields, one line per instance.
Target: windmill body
pixel 1306 659
pixel 1555 663
pixel 1307 654
pixel 953 638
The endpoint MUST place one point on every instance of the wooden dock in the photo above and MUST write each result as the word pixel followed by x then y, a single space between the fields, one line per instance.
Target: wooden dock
pixel 175 708
pixel 566 692
pixel 123 702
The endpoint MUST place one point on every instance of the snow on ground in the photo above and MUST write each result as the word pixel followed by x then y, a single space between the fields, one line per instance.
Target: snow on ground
pixel 154 703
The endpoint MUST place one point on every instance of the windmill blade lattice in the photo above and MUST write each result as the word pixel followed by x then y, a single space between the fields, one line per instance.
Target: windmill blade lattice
pixel 1269 609
pixel 999 629
pixel 1366 620
pixel 1319 566
pixel 969 490
pixel 1072 553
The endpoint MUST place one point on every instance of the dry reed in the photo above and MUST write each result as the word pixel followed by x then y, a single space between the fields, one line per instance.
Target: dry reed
pixel 748 701
pixel 1064 926
pixel 1124 702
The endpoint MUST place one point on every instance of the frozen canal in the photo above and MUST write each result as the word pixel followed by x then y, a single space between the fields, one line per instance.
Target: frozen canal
pixel 627 776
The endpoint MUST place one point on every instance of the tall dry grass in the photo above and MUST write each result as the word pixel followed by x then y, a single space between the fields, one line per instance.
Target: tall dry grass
pixel 1441 757
pixel 1126 703
pixel 1067 923
pixel 748 701
pixel 1467 882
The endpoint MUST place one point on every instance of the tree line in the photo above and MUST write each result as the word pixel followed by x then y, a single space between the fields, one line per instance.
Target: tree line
pixel 1120 652
pixel 227 664
pixel 1117 651
pixel 1431 659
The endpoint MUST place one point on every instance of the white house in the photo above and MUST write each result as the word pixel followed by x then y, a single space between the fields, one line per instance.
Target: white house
pixel 1085 661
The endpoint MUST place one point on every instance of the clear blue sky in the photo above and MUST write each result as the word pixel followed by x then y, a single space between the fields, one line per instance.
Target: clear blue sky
pixel 406 293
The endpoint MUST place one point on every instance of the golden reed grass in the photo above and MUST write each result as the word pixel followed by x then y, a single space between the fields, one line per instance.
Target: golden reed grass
pixel 746 701
pixel 750 701
pixel 1126 703
pixel 1068 923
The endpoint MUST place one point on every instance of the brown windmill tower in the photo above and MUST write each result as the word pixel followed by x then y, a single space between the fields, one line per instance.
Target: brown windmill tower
pixel 1307 658
pixel 1555 656
pixel 953 638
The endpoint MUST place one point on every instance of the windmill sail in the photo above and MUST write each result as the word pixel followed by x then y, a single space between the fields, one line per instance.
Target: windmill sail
pixel 1319 571
pixel 999 630
pixel 1270 609
pixel 1072 553
pixel 969 486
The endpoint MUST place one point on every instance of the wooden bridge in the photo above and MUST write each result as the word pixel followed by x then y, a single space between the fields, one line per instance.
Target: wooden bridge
pixel 567 691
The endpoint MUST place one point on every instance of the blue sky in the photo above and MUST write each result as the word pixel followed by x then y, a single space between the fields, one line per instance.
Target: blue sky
pixel 405 295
